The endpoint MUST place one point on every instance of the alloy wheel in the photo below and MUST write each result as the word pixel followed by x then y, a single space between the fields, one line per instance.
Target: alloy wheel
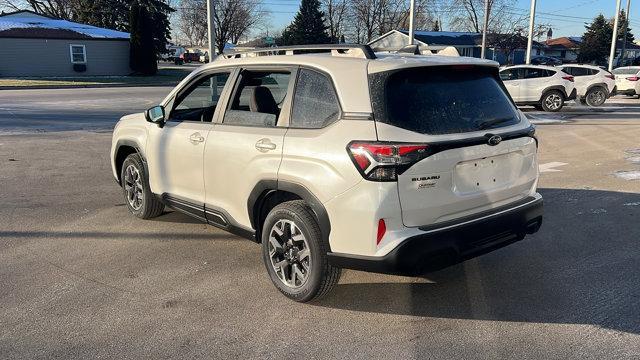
pixel 553 101
pixel 133 187
pixel 596 98
pixel 289 253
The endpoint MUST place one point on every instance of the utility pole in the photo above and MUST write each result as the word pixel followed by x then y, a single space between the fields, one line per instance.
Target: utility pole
pixel 211 32
pixel 624 32
pixel 532 18
pixel 484 30
pixel 411 16
pixel 612 54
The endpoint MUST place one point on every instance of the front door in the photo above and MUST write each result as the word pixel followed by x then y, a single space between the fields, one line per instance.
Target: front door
pixel 176 151
pixel 246 146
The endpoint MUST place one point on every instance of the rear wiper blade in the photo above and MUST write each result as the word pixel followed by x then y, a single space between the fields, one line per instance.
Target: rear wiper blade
pixel 489 123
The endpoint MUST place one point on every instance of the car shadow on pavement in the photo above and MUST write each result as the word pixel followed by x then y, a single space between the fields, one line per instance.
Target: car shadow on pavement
pixel 176 217
pixel 581 268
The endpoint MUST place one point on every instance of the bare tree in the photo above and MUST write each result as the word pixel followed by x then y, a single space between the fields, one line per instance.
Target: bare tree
pixel 335 13
pixel 63 9
pixel 233 19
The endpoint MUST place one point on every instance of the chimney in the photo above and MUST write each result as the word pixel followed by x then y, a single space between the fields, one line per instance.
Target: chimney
pixel 549 34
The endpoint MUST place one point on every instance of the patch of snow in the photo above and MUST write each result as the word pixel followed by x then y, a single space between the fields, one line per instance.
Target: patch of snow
pixel 628 175
pixel 31 22
pixel 632 204
pixel 634 159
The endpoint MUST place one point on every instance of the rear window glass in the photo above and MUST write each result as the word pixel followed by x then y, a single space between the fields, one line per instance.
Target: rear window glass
pixel 442 100
pixel 626 71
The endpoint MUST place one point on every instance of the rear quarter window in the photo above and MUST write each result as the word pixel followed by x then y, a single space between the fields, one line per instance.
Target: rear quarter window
pixel 442 100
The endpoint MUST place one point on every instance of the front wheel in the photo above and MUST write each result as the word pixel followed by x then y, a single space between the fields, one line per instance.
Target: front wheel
pixel 295 253
pixel 552 101
pixel 140 201
pixel 596 97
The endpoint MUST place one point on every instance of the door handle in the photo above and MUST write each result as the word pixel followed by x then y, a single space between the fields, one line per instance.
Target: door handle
pixel 265 145
pixel 196 138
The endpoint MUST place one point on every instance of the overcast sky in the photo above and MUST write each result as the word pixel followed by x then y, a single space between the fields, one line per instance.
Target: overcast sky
pixel 567 17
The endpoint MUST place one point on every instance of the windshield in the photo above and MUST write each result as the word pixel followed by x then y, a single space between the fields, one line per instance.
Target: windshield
pixel 442 100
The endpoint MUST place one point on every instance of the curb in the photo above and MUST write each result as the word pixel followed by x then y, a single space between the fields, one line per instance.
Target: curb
pixel 88 86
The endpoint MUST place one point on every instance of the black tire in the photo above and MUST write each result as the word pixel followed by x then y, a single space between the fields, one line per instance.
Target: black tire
pixel 552 101
pixel 596 96
pixel 149 206
pixel 321 277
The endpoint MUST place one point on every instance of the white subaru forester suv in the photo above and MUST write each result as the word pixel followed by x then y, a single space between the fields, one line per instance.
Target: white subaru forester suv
pixel 338 158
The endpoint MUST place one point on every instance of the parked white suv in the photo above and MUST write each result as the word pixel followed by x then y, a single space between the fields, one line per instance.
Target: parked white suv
pixel 627 80
pixel 594 85
pixel 347 159
pixel 545 87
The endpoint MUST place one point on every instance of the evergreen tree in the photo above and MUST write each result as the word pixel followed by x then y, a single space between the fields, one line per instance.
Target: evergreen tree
pixel 623 24
pixel 307 27
pixel 142 58
pixel 596 41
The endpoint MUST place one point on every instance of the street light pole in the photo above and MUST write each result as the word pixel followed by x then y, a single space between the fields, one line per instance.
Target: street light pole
pixel 612 54
pixel 411 16
pixel 484 30
pixel 211 30
pixel 532 18
pixel 624 32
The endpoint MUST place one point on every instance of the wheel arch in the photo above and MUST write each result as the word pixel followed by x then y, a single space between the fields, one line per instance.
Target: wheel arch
pixel 124 148
pixel 602 85
pixel 266 194
pixel 554 87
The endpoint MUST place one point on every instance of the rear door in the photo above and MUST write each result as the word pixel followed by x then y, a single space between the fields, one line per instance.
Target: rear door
pixel 246 145
pixel 465 168
pixel 535 81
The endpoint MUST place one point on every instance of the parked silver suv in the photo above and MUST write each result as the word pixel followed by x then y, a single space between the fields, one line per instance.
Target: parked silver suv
pixel 335 157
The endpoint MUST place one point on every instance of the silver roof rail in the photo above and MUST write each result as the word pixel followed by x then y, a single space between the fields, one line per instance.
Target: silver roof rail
pixel 349 50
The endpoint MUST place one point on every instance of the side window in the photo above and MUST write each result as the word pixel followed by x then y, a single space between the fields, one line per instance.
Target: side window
pixel 78 54
pixel 508 75
pixel 315 103
pixel 532 73
pixel 577 71
pixel 568 70
pixel 258 98
pixel 199 102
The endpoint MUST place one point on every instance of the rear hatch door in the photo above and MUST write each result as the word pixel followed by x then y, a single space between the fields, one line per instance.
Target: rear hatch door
pixel 481 152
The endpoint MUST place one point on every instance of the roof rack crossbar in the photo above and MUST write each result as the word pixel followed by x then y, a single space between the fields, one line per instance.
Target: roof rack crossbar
pixel 363 51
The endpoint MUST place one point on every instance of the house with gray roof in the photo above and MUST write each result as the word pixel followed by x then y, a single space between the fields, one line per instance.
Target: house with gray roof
pixel 37 45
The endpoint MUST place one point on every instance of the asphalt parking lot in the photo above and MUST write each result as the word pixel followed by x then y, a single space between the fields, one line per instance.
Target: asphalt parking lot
pixel 81 278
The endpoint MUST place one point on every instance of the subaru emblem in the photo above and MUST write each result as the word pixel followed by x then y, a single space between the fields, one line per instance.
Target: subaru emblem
pixel 494 140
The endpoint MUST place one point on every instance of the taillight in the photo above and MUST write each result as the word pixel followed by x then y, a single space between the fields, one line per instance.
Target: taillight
pixel 569 78
pixel 380 161
pixel 382 229
pixel 633 78
pixel 610 76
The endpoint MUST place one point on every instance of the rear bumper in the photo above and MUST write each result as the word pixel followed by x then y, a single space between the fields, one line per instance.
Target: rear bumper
pixel 450 243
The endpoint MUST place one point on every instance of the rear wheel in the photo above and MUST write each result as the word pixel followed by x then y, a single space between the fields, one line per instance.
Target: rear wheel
pixel 135 186
pixel 295 254
pixel 552 101
pixel 595 96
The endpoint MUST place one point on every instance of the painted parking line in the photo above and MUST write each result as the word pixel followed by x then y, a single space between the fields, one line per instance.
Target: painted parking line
pixel 551 167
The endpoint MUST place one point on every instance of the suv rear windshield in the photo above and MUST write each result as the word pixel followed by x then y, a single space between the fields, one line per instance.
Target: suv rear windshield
pixel 626 71
pixel 442 100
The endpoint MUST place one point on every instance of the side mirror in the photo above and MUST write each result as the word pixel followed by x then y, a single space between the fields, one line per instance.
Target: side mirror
pixel 155 115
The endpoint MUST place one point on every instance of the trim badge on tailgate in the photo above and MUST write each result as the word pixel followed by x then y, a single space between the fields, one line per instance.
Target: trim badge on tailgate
pixel 425 182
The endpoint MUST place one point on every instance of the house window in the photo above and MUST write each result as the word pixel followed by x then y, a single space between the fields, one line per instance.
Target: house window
pixel 78 54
